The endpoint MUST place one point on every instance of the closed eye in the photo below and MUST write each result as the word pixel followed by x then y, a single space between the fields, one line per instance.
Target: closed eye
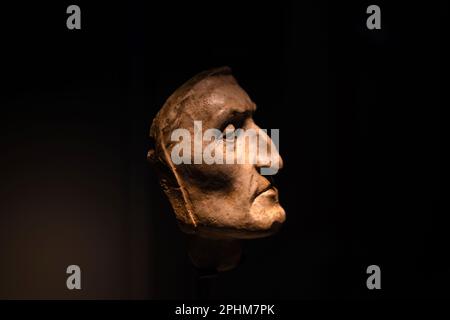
pixel 229 132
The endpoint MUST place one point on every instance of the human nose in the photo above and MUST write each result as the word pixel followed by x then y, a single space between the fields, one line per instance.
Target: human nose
pixel 268 158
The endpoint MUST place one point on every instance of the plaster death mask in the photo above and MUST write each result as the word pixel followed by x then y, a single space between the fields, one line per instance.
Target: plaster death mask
pixel 216 198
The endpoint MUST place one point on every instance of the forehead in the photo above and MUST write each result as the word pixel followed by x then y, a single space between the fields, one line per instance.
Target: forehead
pixel 219 98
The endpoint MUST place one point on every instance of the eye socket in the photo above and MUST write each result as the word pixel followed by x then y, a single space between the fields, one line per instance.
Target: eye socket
pixel 238 121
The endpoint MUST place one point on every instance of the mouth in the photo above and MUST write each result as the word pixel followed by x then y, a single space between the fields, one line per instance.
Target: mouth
pixel 269 188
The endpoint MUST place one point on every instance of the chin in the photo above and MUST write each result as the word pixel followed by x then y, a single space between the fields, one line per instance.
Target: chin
pixel 261 222
pixel 266 220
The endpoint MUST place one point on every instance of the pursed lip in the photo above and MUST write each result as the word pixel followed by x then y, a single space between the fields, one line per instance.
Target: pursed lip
pixel 266 188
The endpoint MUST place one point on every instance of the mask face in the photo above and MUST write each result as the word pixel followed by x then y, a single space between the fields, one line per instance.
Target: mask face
pixel 210 169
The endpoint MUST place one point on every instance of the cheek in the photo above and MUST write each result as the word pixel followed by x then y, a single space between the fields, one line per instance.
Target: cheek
pixel 214 177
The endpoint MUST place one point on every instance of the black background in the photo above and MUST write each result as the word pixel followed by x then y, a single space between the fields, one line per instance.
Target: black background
pixel 359 113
